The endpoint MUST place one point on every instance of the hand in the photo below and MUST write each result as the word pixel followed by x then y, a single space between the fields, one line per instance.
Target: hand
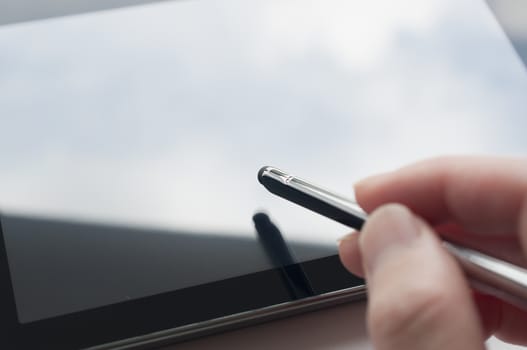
pixel 418 297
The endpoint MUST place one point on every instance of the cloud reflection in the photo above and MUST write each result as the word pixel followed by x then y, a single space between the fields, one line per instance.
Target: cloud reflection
pixel 162 114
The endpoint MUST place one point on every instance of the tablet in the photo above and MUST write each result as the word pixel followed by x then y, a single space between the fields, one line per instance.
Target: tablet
pixel 130 211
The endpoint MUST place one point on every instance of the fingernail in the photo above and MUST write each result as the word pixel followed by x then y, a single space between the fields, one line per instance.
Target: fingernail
pixel 390 227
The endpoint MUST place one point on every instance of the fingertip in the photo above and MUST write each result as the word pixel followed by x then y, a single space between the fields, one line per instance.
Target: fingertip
pixel 450 189
pixel 391 226
pixel 368 191
pixel 349 253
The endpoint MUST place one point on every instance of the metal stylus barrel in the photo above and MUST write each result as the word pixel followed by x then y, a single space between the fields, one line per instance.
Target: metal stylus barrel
pixel 486 273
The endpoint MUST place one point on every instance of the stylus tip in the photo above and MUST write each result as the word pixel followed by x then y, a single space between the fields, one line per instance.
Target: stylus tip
pixel 261 173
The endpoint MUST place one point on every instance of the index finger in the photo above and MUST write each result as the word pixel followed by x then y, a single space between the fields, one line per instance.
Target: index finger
pixel 483 194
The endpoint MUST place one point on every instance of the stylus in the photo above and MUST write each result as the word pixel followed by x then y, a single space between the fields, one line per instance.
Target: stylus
pixel 486 273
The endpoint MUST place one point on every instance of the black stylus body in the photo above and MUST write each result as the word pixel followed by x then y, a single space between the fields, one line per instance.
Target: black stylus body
pixel 312 197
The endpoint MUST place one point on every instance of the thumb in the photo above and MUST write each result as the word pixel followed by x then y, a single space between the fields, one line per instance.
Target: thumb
pixel 418 297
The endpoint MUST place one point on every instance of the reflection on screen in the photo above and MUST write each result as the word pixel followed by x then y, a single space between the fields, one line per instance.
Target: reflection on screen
pixel 161 115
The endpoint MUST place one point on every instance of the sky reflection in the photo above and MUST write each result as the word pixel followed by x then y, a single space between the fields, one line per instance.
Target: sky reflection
pixel 162 114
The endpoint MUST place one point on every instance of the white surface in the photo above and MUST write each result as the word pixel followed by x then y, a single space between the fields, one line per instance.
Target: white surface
pixel 341 327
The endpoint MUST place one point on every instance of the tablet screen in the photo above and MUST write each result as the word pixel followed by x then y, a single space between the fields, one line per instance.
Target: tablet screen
pixel 131 138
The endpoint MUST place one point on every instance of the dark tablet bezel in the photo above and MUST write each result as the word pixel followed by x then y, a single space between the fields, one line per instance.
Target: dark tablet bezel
pixel 159 312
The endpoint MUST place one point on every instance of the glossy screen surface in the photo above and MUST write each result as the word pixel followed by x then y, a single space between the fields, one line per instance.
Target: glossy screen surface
pixel 142 129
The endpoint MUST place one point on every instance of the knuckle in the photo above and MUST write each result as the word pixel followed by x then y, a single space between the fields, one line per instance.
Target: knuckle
pixel 417 310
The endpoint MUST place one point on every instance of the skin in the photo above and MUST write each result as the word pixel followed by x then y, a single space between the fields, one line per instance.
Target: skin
pixel 418 298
